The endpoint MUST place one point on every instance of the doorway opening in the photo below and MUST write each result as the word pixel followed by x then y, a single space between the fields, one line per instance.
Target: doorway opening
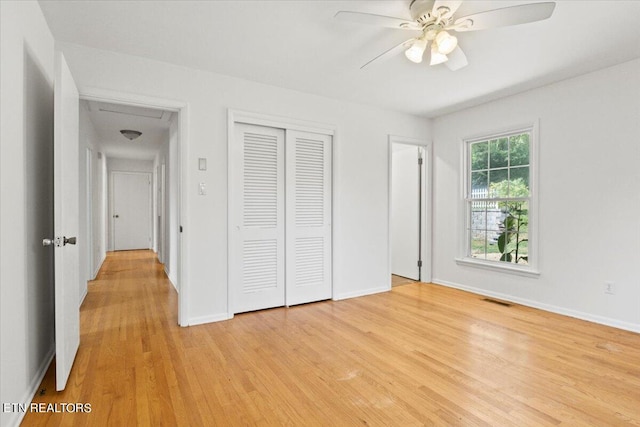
pixel 132 186
pixel 409 211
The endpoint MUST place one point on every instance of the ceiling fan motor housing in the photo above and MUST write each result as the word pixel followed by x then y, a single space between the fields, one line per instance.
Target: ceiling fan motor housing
pixel 421 10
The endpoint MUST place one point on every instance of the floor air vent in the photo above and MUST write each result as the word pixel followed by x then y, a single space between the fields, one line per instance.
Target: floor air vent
pixel 495 301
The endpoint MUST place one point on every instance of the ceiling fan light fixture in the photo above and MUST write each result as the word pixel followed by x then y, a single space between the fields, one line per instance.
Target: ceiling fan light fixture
pixel 416 51
pixel 130 134
pixel 436 56
pixel 445 42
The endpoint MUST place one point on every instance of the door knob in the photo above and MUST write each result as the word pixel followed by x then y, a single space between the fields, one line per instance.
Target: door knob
pixel 59 241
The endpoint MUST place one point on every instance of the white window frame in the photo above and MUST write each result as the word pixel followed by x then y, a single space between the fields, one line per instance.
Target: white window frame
pixel 532 268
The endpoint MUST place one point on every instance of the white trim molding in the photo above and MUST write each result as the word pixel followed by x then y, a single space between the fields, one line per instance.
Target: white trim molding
pixel 182 109
pixel 427 203
pixel 531 269
pixel 362 293
pixel 601 320
pixel 201 320
pixel 237 116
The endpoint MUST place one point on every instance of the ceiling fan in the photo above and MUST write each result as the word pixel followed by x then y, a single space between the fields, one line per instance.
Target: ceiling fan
pixel 435 19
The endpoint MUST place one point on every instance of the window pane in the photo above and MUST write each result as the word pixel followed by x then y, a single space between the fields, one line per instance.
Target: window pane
pixel 519 149
pixel 478 244
pixel 522 256
pixel 512 239
pixel 479 184
pixel 479 155
pixel 498 153
pixel 519 185
pixel 499 168
pixel 498 183
pixel 478 216
pixel 494 220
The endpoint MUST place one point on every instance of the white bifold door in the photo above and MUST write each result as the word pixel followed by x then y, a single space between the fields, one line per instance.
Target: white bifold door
pixel 280 218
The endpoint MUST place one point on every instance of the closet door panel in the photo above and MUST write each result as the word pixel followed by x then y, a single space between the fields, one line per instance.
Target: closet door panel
pixel 308 224
pixel 257 251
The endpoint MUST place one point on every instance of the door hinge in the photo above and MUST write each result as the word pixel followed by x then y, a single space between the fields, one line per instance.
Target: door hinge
pixel 420 263
pixel 419 160
pixel 181 229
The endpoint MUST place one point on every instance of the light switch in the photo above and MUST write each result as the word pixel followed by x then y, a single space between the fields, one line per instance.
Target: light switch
pixel 202 189
pixel 202 164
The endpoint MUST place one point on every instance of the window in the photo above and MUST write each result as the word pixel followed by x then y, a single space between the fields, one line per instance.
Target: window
pixel 498 201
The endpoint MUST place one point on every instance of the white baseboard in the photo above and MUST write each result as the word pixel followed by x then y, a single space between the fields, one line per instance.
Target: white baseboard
pixel 166 272
pixel 607 321
pixel 209 319
pixel 15 418
pixel 99 266
pixel 361 293
pixel 84 294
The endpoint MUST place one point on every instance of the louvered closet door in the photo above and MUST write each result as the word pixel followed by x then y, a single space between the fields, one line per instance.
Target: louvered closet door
pixel 256 270
pixel 308 200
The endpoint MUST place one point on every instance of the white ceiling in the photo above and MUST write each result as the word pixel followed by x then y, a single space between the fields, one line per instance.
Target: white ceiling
pixel 109 119
pixel 299 45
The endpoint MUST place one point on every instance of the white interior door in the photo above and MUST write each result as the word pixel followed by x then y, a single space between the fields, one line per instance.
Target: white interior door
pixel 132 211
pixel 308 223
pixel 256 200
pixel 66 220
pixel 405 211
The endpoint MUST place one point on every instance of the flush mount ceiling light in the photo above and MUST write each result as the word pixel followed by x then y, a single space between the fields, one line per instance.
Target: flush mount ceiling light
pixel 130 134
pixel 435 19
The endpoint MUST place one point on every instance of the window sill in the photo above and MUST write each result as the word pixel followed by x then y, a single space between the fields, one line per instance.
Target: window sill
pixel 495 266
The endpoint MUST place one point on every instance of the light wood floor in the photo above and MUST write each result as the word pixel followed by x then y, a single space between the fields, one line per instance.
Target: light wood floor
pixel 418 355
pixel 399 280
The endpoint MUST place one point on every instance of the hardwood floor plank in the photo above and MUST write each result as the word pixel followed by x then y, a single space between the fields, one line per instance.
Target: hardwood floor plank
pixel 419 355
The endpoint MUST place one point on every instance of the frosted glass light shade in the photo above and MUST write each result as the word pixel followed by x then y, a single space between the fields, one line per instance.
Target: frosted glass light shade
pixel 436 56
pixel 416 51
pixel 446 42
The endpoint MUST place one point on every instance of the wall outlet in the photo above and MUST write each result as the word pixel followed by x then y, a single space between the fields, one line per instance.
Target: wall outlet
pixel 609 288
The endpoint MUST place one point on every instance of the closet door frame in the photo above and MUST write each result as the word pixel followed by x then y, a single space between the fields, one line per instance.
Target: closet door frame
pixel 239 116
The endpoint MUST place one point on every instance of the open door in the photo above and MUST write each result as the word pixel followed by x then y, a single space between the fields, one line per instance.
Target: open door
pixel 66 220
pixel 406 211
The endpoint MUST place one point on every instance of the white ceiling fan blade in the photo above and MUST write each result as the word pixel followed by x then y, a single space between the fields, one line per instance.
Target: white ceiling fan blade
pixel 513 15
pixel 378 20
pixel 449 4
pixel 390 52
pixel 457 59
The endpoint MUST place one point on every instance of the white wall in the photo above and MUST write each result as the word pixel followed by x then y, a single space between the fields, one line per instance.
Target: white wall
pixel 161 208
pixel 26 202
pixel 589 196
pixel 129 165
pixel 360 224
pixel 100 213
pixel 91 258
pixel 172 224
